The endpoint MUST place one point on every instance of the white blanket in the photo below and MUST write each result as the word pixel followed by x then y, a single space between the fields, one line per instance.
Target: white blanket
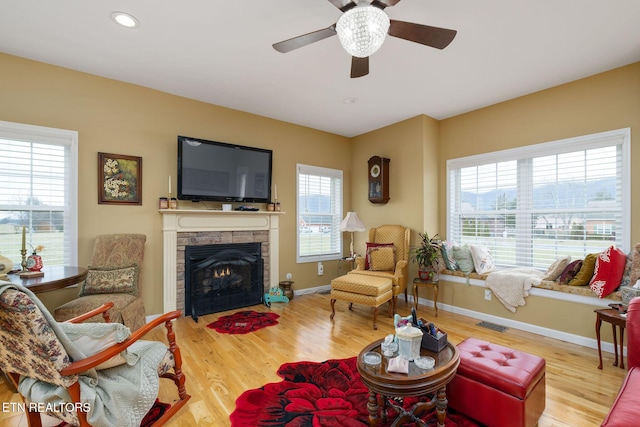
pixel 119 396
pixel 512 286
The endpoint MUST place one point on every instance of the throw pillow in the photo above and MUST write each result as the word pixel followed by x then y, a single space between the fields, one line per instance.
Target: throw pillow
pixel 447 255
pixel 110 280
pixel 92 338
pixel 570 271
pixel 462 255
pixel 382 259
pixel 635 265
pixel 555 269
pixel 586 271
pixel 371 246
pixel 626 275
pixel 483 261
pixel 608 271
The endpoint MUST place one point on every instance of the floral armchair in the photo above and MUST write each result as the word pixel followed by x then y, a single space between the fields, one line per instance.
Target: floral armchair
pixel 85 373
pixel 115 275
pixel 387 255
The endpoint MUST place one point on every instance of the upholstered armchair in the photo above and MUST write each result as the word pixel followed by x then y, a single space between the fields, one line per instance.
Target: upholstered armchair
pixel 87 373
pixel 392 262
pixel 115 275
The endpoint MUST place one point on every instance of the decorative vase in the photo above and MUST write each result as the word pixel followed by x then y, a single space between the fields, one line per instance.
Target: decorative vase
pixel 5 266
pixel 34 262
pixel 428 274
pixel 285 285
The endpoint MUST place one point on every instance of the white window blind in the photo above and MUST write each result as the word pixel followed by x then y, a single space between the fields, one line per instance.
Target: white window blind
pixel 533 204
pixel 319 213
pixel 38 170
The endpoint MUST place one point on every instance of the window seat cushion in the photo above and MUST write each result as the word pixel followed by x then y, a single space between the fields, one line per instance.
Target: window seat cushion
pixel 545 284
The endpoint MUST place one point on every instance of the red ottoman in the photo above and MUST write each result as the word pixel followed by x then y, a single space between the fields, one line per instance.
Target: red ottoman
pixel 498 386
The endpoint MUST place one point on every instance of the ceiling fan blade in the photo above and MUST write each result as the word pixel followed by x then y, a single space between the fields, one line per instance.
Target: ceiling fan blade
pixel 359 67
pixel 305 39
pixel 423 34
pixel 384 3
pixel 343 5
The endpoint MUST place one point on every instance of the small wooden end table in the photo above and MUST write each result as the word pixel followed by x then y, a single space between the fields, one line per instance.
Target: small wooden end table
pixel 55 277
pixel 417 382
pixel 417 282
pixel 613 316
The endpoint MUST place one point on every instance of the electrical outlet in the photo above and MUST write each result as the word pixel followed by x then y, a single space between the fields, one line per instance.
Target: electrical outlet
pixel 487 294
pixel 289 276
pixel 320 269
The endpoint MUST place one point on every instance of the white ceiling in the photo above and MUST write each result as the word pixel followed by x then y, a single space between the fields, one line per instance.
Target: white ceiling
pixel 220 52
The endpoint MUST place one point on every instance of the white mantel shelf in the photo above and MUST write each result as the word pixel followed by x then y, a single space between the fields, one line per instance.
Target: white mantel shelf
pixel 176 221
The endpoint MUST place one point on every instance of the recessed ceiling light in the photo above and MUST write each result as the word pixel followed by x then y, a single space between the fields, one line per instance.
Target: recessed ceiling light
pixel 125 19
pixel 350 100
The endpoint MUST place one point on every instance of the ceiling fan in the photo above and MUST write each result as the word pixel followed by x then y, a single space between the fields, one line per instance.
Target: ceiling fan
pixel 362 28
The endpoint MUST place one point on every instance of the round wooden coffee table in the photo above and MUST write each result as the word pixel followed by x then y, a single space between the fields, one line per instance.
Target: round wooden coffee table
pixel 417 382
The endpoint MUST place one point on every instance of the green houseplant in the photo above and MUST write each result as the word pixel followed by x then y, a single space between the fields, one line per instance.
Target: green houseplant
pixel 426 255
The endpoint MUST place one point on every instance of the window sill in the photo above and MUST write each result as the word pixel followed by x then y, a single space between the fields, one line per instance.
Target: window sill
pixel 547 289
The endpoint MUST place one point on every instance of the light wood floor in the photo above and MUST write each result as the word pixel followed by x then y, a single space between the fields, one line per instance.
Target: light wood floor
pixel 220 367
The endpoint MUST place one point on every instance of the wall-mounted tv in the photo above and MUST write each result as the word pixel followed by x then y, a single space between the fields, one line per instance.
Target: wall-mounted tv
pixel 218 171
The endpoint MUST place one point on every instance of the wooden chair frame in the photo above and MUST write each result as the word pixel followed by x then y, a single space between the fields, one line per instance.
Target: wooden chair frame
pixel 83 365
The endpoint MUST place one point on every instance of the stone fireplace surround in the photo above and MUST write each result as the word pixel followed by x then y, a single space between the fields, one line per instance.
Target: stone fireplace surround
pixel 181 227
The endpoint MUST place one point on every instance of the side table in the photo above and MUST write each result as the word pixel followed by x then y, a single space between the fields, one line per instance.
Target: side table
pixel 417 282
pixel 418 382
pixel 614 317
pixel 351 264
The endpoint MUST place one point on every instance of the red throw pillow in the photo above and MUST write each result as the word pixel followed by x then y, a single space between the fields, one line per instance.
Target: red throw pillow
pixel 608 272
pixel 371 245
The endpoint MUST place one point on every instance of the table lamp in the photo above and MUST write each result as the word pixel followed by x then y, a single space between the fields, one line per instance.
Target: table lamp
pixel 352 223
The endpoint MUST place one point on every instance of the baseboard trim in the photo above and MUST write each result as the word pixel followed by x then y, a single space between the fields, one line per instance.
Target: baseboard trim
pixel 314 290
pixel 527 327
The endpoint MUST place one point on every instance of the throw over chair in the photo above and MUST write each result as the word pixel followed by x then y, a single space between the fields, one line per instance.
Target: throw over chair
pixel 85 373
pixel 378 263
pixel 115 275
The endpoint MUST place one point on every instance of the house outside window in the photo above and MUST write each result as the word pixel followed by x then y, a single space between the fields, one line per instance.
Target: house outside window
pixel 533 204
pixel 38 170
pixel 319 212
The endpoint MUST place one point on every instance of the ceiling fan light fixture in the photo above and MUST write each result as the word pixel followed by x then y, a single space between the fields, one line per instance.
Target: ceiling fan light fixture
pixel 362 29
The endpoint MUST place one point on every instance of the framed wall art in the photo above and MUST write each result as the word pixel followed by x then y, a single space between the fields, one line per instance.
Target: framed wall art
pixel 119 179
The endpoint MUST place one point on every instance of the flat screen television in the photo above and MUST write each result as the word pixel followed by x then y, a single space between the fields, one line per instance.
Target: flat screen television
pixel 218 171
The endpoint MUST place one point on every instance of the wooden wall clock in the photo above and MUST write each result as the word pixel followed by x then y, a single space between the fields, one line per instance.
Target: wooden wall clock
pixel 378 179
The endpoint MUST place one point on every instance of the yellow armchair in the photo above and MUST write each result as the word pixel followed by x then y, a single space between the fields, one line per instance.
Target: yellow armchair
pixel 399 236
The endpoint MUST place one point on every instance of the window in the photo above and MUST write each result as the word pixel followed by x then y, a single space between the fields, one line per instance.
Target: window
pixel 319 213
pixel 533 204
pixel 38 170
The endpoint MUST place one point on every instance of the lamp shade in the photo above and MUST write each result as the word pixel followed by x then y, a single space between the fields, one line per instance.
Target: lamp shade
pixel 352 223
pixel 362 29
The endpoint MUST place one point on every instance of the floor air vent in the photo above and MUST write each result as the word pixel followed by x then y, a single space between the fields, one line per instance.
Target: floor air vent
pixel 492 326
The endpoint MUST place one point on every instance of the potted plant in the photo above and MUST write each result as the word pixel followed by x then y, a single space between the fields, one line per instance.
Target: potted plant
pixel 426 255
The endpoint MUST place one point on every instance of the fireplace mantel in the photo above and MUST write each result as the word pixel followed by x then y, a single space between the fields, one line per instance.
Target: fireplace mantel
pixel 176 221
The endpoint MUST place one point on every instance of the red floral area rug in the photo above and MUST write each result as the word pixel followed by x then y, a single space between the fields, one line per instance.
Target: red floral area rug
pixel 243 322
pixel 327 394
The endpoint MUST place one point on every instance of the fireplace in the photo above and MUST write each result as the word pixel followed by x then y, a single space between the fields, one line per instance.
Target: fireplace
pixel 185 227
pixel 222 277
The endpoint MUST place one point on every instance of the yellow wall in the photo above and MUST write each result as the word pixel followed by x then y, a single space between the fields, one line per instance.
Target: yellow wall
pixel 599 103
pixel 412 147
pixel 595 104
pixel 120 118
